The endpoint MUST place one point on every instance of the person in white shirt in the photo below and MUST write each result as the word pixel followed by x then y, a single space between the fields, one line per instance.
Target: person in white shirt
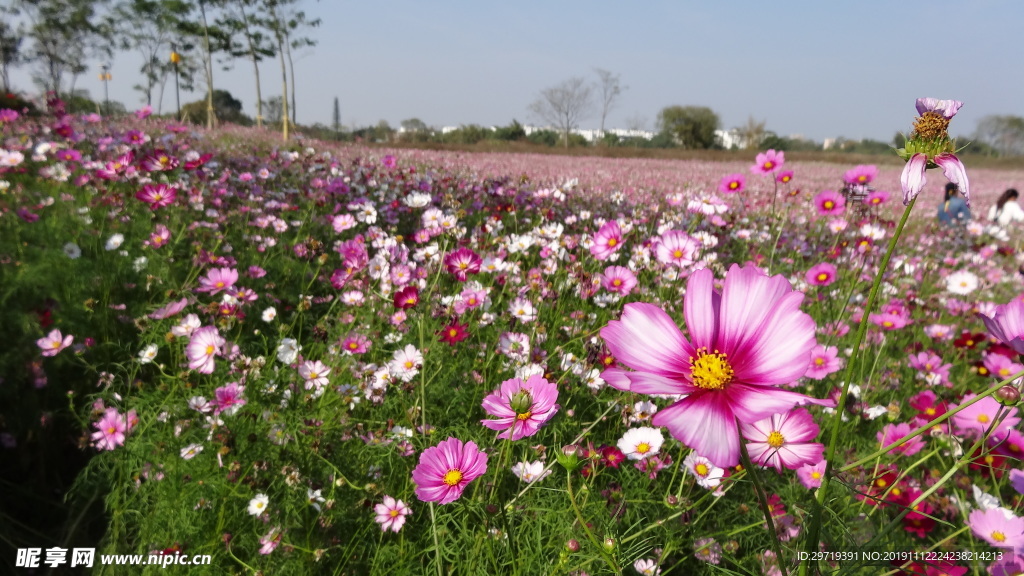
pixel 1006 209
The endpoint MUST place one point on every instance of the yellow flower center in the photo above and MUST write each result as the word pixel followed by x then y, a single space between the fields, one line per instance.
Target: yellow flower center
pixel 931 125
pixel 702 469
pixel 220 284
pixel 999 536
pixel 677 254
pixel 776 440
pixel 111 430
pixel 393 513
pixel 643 448
pixel 409 364
pixel 829 204
pixel 453 333
pixel 816 475
pixel 56 344
pixel 734 185
pixel 983 418
pixel 710 371
pixel 819 361
pixel 352 345
pixel 616 282
pixel 612 242
pixel 452 477
pixel 769 165
pixel 822 277
pixel 210 349
pixel 524 416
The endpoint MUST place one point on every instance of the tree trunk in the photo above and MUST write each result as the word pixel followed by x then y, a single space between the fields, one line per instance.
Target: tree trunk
pixel 284 98
pixel 291 72
pixel 211 117
pixel 255 66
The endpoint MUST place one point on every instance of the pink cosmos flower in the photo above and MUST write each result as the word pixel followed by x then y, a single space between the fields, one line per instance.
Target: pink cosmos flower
pixel 217 279
pixel 822 274
pixel 270 541
pixel 746 342
pixel 618 279
pixel 355 344
pixel 768 162
pixel 157 195
pixel 169 310
pixel 144 112
pixel 810 475
pixel 876 198
pixel 159 161
pixel 1007 324
pixel 391 514
pixel 994 527
pixel 607 240
pixel 676 248
pixel 861 175
pixel 830 203
pixel 890 433
pixel 471 299
pixel 110 430
pixel 54 342
pixel 732 184
pixel 462 262
pixel 784 440
pixel 824 361
pixel 522 408
pixel 784 177
pixel 445 470
pixel 205 343
pixel 159 237
pixel 315 374
pixel 980 415
pixel 1000 367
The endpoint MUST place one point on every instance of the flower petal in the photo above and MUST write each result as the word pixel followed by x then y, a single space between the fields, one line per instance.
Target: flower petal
pixel 780 351
pixel 953 170
pixel 748 298
pixel 705 423
pixel 646 339
pixel 753 403
pixel 701 307
pixel 912 179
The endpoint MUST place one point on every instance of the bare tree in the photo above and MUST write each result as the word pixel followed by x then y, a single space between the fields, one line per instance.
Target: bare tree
pixel 610 88
pixel 752 134
pixel 564 105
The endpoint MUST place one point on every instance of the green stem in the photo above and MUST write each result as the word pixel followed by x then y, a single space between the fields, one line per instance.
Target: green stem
pixel 762 499
pixel 583 523
pixel 815 524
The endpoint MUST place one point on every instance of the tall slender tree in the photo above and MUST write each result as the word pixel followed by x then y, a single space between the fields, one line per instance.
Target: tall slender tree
pixel 241 19
pixel 10 51
pixel 336 119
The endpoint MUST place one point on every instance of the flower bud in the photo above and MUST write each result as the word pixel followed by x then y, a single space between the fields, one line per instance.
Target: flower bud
pixel 609 544
pixel 568 457
pixel 573 545
pixel 521 402
pixel 1008 396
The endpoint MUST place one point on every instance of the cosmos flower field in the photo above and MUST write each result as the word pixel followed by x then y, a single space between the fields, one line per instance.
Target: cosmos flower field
pixel 306 358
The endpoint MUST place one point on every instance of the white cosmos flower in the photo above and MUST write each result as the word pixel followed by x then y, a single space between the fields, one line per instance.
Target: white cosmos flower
pixel 530 471
pixel 640 443
pixel 258 505
pixel 71 250
pixel 189 452
pixel 707 474
pixel 148 354
pixel 288 350
pixel 114 242
pixel 269 314
pixel 961 282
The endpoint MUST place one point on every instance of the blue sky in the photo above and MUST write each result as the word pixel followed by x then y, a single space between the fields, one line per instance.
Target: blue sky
pixel 820 69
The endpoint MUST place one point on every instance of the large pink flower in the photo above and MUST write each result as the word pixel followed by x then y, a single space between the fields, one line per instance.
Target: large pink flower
pixel 521 407
pixel 746 342
pixel 445 470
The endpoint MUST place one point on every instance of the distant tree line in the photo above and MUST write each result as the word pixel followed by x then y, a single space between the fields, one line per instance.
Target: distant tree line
pixel 57 40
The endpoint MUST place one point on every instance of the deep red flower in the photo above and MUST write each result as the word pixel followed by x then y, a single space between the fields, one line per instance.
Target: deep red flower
pixel 407 297
pixel 968 340
pixel 453 333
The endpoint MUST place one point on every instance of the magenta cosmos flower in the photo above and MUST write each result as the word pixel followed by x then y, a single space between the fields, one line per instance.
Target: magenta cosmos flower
pixel 607 240
pixel 110 430
pixel 732 184
pixel 996 528
pixel 675 248
pixel 821 274
pixel 768 162
pixel 157 195
pixel 744 344
pixel 521 407
pixel 462 262
pixel 861 175
pixel 1007 324
pixel 830 203
pixel 445 470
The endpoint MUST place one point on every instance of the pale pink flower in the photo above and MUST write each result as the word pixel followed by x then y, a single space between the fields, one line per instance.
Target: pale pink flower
pixel 391 514
pixel 54 342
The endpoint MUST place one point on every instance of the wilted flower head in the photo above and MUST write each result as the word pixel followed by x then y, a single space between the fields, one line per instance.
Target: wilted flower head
pixel 929 146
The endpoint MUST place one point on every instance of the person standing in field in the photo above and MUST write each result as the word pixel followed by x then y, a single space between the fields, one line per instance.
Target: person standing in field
pixel 954 210
pixel 1006 210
